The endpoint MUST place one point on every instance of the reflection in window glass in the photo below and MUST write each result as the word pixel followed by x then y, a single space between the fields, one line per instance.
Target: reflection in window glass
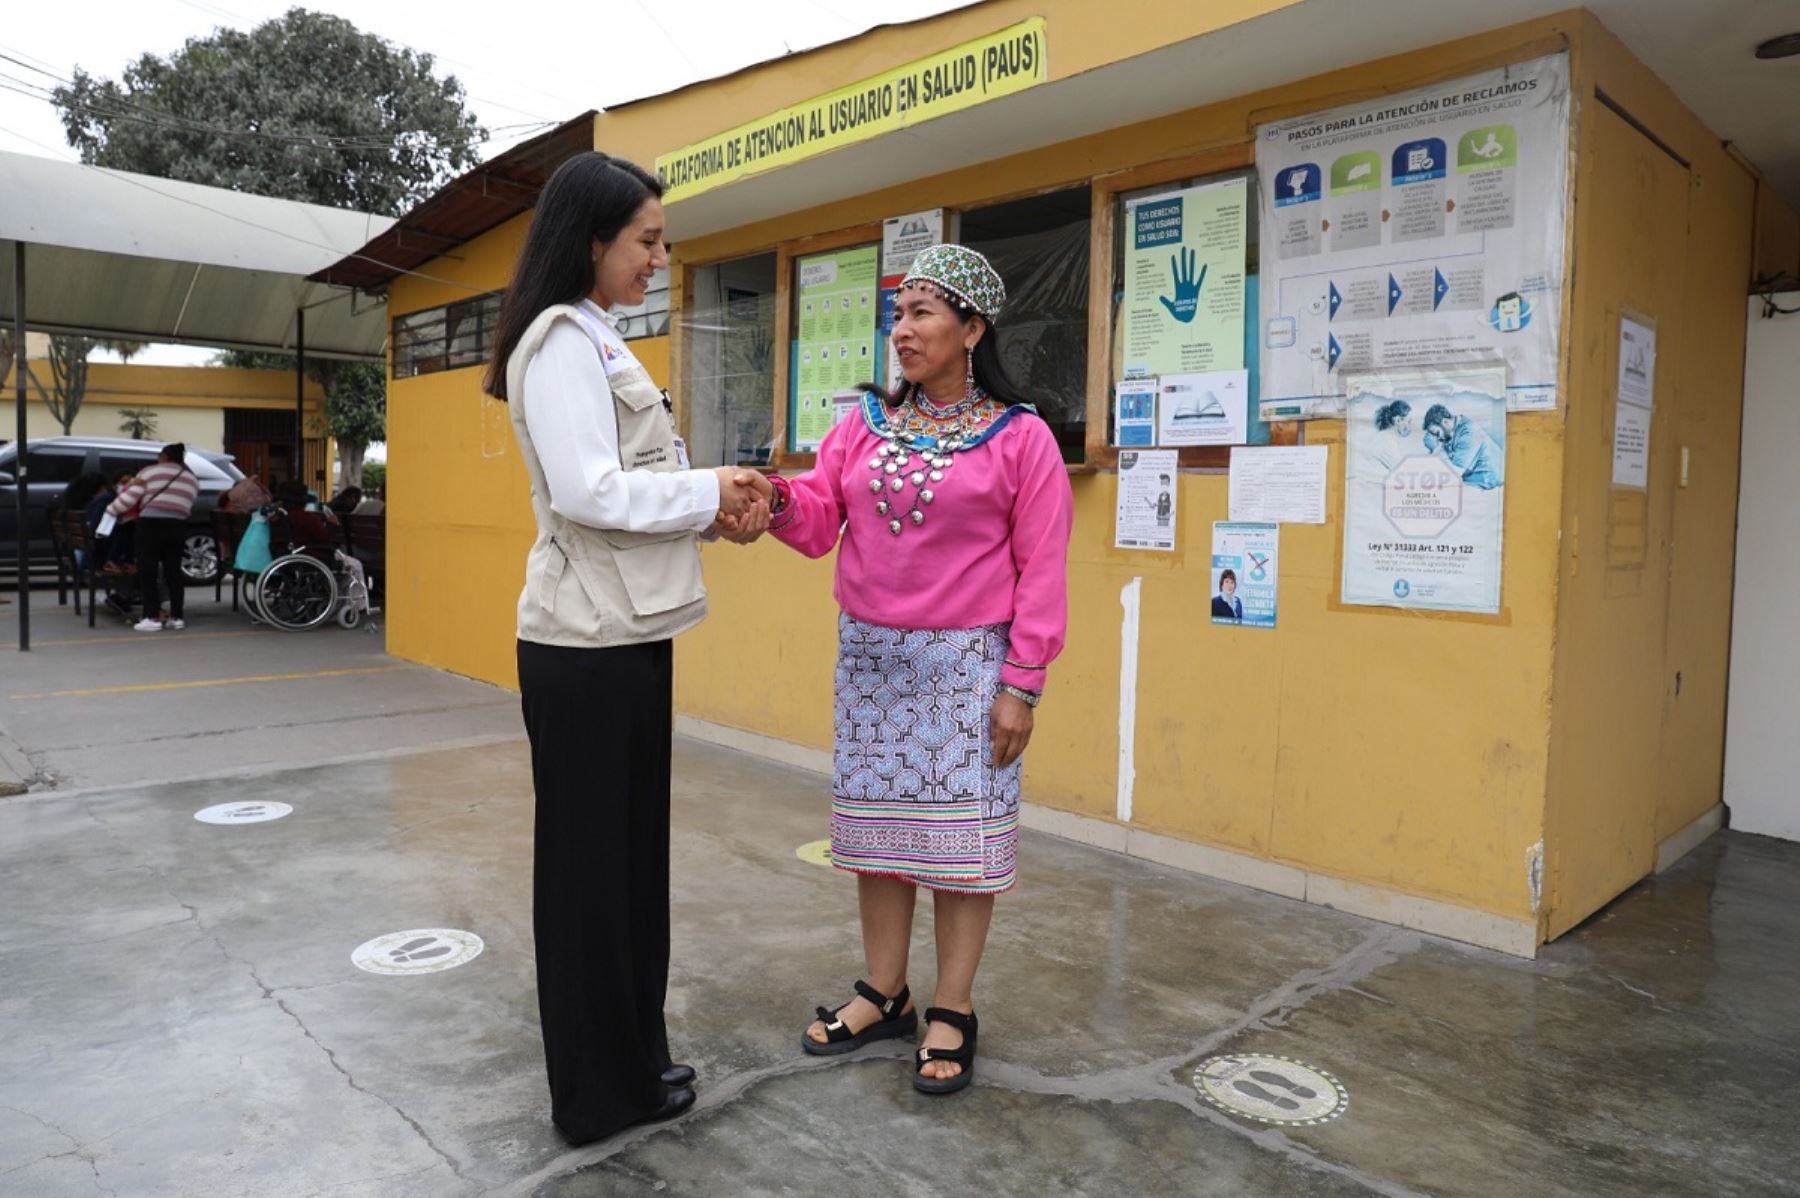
pixel 1040 247
pixel 650 318
pixel 728 339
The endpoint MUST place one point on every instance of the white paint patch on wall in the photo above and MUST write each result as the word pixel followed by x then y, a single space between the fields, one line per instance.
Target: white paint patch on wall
pixel 1534 875
pixel 1129 599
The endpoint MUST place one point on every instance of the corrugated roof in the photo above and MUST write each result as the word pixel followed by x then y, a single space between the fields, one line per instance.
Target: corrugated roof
pixel 463 209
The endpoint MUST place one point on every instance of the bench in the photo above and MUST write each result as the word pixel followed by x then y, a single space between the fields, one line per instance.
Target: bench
pixel 227 531
pixel 77 556
pixel 365 539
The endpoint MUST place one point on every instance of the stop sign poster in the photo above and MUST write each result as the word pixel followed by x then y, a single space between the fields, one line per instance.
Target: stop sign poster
pixel 1425 488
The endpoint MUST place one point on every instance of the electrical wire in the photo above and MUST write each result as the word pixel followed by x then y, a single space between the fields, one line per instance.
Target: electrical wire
pixel 126 111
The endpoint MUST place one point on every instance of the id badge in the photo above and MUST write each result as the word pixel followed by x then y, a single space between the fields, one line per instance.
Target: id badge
pixel 681 454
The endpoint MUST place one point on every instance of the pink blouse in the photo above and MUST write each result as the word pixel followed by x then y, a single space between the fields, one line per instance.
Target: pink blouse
pixel 994 546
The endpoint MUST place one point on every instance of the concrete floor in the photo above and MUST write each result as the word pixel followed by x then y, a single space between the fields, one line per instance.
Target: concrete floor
pixel 179 1014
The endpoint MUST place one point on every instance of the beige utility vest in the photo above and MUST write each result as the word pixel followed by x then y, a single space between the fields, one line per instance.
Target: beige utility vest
pixel 592 587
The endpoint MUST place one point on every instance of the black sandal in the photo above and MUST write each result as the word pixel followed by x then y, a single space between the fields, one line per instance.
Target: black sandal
pixel 963 1054
pixel 840 1039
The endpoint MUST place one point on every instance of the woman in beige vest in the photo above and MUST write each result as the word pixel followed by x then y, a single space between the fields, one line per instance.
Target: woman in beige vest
pixel 613 575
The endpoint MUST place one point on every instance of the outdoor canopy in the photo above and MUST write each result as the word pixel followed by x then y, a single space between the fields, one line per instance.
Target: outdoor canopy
pixel 105 253
pixel 138 258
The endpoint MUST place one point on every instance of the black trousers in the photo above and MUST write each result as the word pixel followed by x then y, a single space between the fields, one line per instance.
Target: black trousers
pixel 159 550
pixel 599 723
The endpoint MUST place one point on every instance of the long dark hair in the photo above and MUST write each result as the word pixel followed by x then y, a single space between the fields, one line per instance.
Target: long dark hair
pixel 590 197
pixel 990 373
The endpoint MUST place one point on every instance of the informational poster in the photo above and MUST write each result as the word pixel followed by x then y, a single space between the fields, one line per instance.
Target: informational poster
pixel 1134 413
pixel 1184 280
pixel 1636 402
pixel 1425 488
pixel 1203 409
pixel 902 237
pixel 1279 484
pixel 1147 499
pixel 835 342
pixel 1244 572
pixel 1418 229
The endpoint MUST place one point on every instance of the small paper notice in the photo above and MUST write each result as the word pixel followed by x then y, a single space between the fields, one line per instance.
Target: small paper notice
pixel 1282 484
pixel 1147 488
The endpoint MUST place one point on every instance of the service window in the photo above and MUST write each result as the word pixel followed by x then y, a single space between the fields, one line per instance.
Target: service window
pixel 836 344
pixel 1184 316
pixel 1040 247
pixel 728 375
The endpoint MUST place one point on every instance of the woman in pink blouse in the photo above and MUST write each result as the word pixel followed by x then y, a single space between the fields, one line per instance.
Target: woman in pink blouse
pixel 950 508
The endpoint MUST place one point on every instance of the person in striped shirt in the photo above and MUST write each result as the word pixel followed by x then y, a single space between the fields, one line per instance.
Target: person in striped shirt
pixel 163 497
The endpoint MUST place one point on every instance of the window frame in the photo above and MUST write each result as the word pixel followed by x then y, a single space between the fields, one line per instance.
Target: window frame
pixel 786 253
pixel 440 316
pixel 1103 317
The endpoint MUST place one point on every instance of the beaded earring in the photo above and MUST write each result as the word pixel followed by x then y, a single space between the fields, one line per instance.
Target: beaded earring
pixel 969 374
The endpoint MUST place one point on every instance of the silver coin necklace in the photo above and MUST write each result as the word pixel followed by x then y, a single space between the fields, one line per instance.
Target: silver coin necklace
pixel 920 441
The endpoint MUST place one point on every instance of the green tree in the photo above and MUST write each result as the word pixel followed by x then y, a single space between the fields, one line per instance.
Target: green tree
pixel 68 378
pixel 374 477
pixel 138 423
pixel 303 107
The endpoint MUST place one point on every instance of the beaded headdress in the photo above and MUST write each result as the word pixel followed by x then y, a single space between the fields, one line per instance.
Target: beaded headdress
pixel 962 276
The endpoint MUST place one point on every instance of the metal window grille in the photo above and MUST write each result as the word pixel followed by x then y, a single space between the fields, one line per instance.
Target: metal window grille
pixel 455 335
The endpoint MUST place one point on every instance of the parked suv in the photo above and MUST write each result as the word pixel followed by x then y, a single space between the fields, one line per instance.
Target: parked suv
pixel 55 462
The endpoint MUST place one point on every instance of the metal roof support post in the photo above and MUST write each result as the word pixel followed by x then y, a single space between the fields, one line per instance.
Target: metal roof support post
pixel 19 464
pixel 300 395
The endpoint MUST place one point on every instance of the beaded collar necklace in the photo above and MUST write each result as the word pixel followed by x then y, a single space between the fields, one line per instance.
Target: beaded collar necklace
pixel 919 442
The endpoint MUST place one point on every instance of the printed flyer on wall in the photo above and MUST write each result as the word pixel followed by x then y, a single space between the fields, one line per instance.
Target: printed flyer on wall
pixel 1425 488
pixel 1634 402
pixel 1184 280
pixel 1147 499
pixel 1418 229
pixel 1244 570
pixel 835 343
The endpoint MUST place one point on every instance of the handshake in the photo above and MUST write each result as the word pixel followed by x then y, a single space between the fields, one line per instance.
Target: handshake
pixel 744 498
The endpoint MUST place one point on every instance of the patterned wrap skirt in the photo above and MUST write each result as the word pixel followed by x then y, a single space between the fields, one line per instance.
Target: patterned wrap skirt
pixel 915 795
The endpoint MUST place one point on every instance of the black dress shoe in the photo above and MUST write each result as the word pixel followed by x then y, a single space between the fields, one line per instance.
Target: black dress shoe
pixel 679 1101
pixel 678 1075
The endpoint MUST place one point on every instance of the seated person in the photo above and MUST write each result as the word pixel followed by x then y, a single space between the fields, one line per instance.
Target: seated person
pixel 374 505
pixel 346 501
pixel 245 496
pixel 307 528
pixel 117 552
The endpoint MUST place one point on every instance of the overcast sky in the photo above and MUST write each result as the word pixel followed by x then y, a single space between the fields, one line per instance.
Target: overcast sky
pixel 543 63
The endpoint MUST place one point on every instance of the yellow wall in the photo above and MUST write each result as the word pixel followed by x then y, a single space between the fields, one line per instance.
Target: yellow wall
pixel 459 505
pixel 1646 575
pixel 1299 745
pixel 1277 744
pixel 189 401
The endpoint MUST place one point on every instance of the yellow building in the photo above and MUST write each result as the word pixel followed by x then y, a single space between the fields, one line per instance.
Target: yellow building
pixel 1494 777
pixel 247 413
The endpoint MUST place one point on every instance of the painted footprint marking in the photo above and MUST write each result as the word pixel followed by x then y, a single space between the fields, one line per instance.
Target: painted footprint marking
pixel 415 950
pixel 1274 1079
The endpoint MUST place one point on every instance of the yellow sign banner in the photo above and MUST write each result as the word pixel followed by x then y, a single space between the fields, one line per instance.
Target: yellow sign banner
pixel 987 68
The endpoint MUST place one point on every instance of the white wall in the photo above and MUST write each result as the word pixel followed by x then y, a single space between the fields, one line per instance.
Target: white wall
pixel 202 428
pixel 1762 748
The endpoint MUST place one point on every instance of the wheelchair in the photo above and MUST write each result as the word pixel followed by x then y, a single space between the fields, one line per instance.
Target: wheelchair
pixel 299 591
